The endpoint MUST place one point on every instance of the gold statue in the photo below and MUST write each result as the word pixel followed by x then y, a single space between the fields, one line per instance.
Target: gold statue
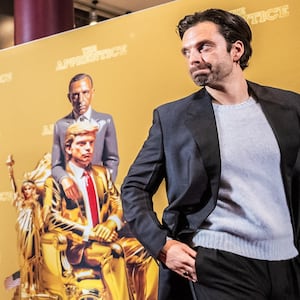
pixel 56 262
pixel 29 228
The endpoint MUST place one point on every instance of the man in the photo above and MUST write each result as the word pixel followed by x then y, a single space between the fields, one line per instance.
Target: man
pixel 81 93
pixel 229 155
pixel 91 227
pixel 93 224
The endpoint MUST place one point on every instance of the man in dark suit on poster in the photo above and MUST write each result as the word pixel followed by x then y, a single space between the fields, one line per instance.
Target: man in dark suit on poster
pixel 80 94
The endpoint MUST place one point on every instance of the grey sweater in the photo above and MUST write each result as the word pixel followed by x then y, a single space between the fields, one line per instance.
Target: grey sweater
pixel 251 217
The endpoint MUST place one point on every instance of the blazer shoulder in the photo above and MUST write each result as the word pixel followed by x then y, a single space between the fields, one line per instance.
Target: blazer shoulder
pixel 66 119
pixel 100 171
pixel 276 95
pixel 100 115
pixel 183 102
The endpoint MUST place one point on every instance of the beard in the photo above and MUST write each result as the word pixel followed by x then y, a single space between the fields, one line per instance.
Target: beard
pixel 201 80
pixel 201 75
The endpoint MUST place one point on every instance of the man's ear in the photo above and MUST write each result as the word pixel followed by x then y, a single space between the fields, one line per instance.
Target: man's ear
pixel 92 92
pixel 68 150
pixel 237 50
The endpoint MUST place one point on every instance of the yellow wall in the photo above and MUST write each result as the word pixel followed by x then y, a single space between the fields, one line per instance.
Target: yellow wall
pixel 136 64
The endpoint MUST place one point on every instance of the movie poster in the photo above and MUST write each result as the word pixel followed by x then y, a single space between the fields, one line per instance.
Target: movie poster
pixel 136 65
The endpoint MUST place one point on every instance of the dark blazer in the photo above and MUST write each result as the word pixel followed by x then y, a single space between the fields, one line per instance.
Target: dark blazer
pixel 106 147
pixel 182 148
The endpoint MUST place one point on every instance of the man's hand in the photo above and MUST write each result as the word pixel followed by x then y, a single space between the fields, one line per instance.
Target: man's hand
pixel 106 232
pixel 70 188
pixel 180 258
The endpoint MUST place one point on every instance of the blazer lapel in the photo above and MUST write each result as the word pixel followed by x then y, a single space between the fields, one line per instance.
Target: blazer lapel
pixel 102 194
pixel 201 122
pixel 285 125
pixel 284 122
pixel 80 201
pixel 99 119
pixel 68 120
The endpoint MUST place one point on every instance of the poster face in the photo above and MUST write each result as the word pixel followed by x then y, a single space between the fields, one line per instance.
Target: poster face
pixel 136 65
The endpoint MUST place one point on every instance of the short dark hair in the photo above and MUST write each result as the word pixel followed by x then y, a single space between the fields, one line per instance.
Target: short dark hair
pixel 231 26
pixel 79 77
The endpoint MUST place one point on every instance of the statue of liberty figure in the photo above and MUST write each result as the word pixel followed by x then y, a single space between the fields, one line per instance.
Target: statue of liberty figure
pixel 29 226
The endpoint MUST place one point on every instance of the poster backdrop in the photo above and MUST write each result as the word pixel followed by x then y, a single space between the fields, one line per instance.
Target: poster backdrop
pixel 136 65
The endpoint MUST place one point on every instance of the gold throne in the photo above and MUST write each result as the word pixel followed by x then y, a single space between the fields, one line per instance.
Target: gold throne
pixel 48 274
pixel 60 279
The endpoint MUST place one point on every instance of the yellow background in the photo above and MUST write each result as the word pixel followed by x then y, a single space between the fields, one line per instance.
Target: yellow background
pixel 129 86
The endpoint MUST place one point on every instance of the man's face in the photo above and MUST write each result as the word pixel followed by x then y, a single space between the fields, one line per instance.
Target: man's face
pixel 205 49
pixel 80 95
pixel 82 149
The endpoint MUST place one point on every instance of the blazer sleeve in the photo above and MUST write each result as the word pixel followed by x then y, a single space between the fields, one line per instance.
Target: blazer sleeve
pixel 109 197
pixel 58 155
pixel 143 179
pixel 110 156
pixel 54 205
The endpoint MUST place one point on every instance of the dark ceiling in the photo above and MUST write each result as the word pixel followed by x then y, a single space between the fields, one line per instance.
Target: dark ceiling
pixel 85 11
pixel 7 7
pixel 82 17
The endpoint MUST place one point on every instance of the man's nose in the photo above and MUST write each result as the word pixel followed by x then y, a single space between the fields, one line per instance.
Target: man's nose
pixel 88 146
pixel 195 56
pixel 81 96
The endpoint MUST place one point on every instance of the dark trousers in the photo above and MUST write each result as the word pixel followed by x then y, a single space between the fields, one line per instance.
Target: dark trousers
pixel 173 286
pixel 226 276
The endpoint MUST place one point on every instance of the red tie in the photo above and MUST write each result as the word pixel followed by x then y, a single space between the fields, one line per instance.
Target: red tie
pixel 92 197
